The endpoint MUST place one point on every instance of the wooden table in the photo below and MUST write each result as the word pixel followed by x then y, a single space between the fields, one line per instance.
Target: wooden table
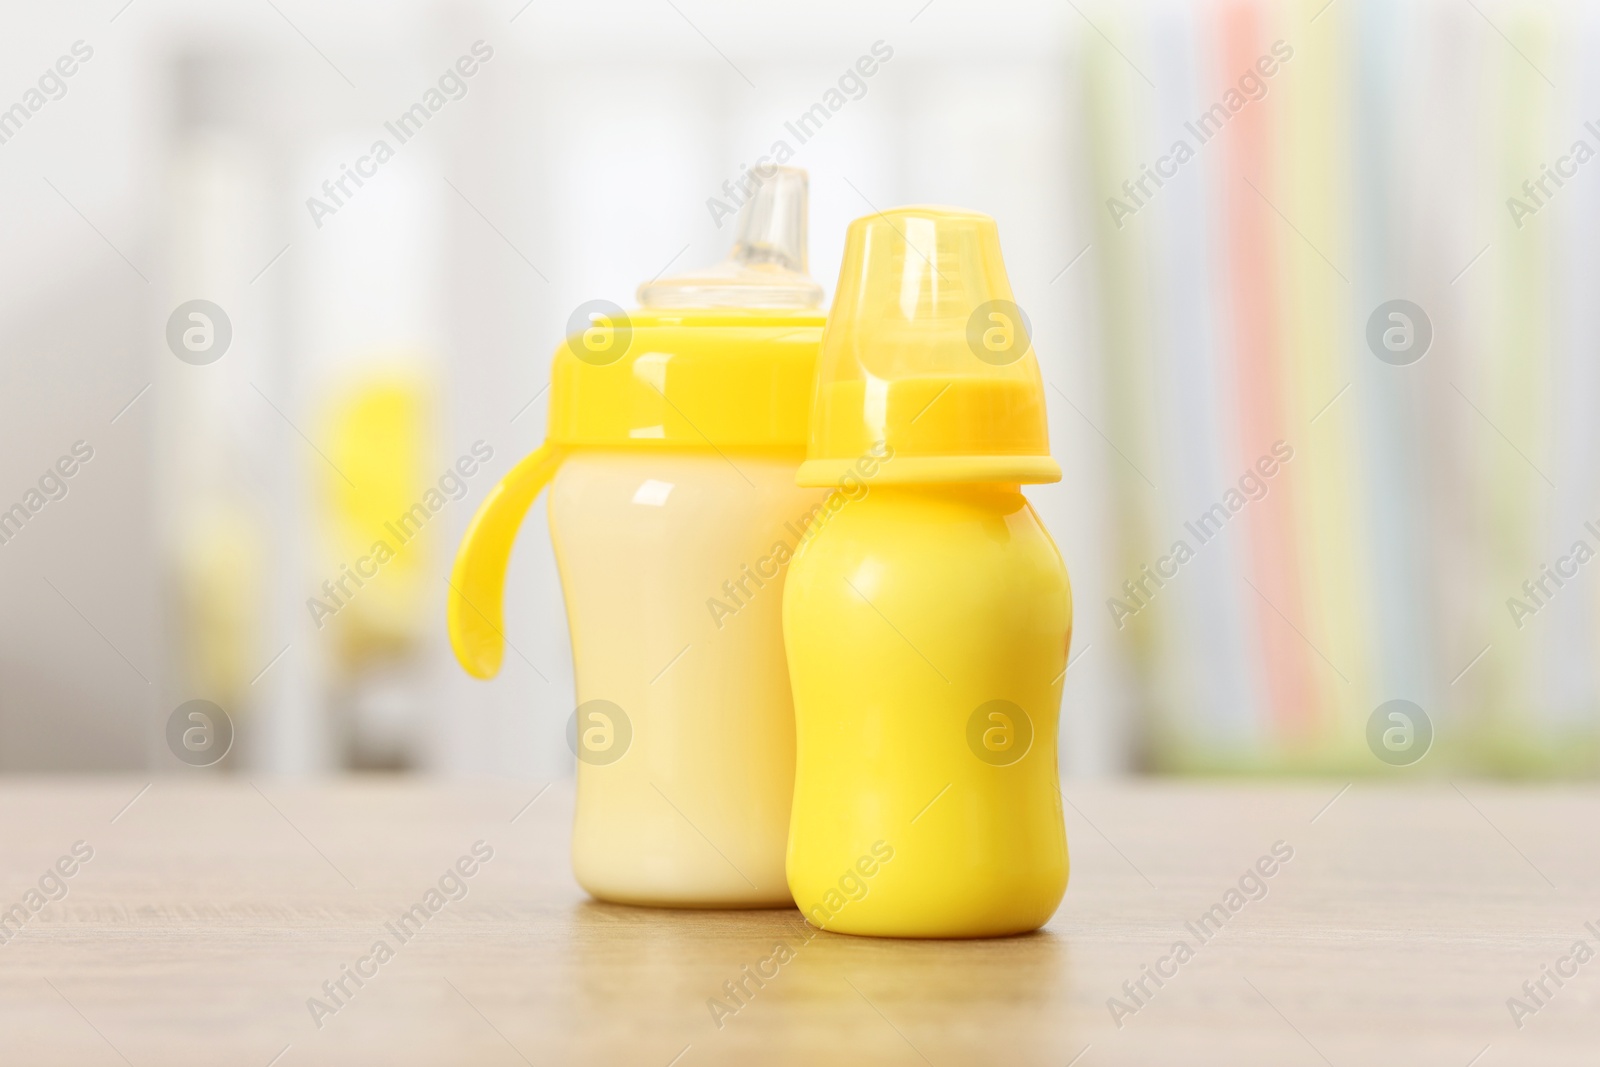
pixel 213 908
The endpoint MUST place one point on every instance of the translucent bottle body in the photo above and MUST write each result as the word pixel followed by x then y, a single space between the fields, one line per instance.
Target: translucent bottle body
pixel 672 565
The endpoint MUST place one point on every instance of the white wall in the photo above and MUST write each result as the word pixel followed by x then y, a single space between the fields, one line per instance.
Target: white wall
pixel 589 144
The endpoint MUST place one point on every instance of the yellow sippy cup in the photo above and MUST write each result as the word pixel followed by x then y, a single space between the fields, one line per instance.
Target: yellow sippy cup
pixel 927 621
pixel 675 434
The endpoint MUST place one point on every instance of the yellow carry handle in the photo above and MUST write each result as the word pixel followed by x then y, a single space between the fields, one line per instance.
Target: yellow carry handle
pixel 478 579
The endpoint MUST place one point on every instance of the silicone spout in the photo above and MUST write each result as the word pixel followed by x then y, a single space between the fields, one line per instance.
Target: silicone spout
pixel 766 268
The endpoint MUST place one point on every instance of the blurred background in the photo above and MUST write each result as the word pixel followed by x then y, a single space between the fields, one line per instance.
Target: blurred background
pixel 1310 285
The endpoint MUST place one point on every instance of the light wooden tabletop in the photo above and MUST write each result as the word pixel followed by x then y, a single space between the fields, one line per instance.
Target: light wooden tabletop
pixel 212 910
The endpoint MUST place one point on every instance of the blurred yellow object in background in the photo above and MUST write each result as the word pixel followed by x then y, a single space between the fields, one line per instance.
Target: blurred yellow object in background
pixel 220 564
pixel 379 443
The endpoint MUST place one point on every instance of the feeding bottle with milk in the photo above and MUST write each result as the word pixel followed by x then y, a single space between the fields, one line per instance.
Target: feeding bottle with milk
pixel 675 433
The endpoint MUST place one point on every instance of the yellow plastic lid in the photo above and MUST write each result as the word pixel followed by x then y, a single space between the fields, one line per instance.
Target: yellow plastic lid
pixel 926 351
pixel 706 378
pixel 717 357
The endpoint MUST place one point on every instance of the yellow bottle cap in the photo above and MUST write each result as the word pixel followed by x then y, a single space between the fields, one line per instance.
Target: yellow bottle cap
pixel 926 351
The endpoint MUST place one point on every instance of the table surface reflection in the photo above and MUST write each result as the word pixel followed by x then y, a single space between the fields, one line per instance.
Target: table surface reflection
pixel 213 911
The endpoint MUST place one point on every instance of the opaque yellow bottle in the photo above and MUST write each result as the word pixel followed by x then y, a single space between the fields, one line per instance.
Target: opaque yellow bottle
pixel 927 619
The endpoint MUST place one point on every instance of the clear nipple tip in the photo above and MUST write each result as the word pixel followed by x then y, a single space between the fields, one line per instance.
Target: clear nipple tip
pixel 766 268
